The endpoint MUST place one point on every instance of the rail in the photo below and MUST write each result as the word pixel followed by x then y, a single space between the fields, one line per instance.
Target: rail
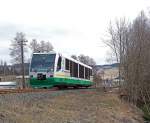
pixel 8 91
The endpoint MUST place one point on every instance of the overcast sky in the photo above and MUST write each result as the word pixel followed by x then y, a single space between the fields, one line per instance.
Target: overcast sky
pixel 72 26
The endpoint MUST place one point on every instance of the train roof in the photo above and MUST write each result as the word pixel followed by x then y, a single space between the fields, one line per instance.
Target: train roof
pixel 63 55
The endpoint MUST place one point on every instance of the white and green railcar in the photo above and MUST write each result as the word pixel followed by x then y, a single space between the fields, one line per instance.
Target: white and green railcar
pixel 56 70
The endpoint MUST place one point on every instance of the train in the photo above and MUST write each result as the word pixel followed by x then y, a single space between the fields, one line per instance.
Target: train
pixel 54 69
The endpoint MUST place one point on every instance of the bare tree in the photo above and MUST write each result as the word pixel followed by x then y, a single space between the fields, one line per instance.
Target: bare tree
pixel 1 67
pixel 130 43
pixel 1 62
pixel 45 46
pixel 48 46
pixel 40 47
pixel 86 60
pixel 110 58
pixel 15 49
pixel 74 57
pixel 118 33
pixel 34 46
pixel 97 78
pixel 17 52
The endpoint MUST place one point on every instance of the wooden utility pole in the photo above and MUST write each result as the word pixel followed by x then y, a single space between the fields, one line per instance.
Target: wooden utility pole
pixel 22 64
pixel 22 43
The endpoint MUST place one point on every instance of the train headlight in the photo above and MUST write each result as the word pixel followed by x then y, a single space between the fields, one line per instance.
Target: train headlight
pixel 51 75
pixel 50 70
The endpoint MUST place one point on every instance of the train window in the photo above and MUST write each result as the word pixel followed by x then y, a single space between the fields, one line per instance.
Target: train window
pixel 81 71
pixel 67 64
pixel 71 68
pixel 90 72
pixel 59 63
pixel 86 73
pixel 75 69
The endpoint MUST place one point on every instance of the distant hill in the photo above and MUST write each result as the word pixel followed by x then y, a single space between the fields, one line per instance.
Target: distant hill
pixel 106 66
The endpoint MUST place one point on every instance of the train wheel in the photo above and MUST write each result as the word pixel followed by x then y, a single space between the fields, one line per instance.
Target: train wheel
pixel 76 87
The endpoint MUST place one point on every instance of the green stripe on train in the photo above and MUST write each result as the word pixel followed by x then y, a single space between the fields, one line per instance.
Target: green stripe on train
pixel 54 81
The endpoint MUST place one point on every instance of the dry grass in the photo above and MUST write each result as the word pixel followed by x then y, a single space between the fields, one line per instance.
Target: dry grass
pixel 79 106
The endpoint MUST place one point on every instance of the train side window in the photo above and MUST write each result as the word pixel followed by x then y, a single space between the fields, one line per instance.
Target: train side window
pixel 66 64
pixel 86 73
pixel 75 69
pixel 71 68
pixel 91 72
pixel 59 63
pixel 81 71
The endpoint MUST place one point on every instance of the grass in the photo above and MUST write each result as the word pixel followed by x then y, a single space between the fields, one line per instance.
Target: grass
pixel 78 106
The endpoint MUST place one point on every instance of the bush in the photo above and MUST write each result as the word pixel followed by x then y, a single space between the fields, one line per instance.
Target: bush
pixel 146 110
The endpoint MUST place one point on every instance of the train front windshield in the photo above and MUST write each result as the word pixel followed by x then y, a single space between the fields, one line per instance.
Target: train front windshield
pixel 42 63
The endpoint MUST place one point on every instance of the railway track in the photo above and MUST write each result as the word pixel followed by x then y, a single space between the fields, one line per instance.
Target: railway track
pixel 28 90
pixel 9 91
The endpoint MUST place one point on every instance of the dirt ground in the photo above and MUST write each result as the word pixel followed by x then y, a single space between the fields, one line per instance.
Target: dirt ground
pixel 70 106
